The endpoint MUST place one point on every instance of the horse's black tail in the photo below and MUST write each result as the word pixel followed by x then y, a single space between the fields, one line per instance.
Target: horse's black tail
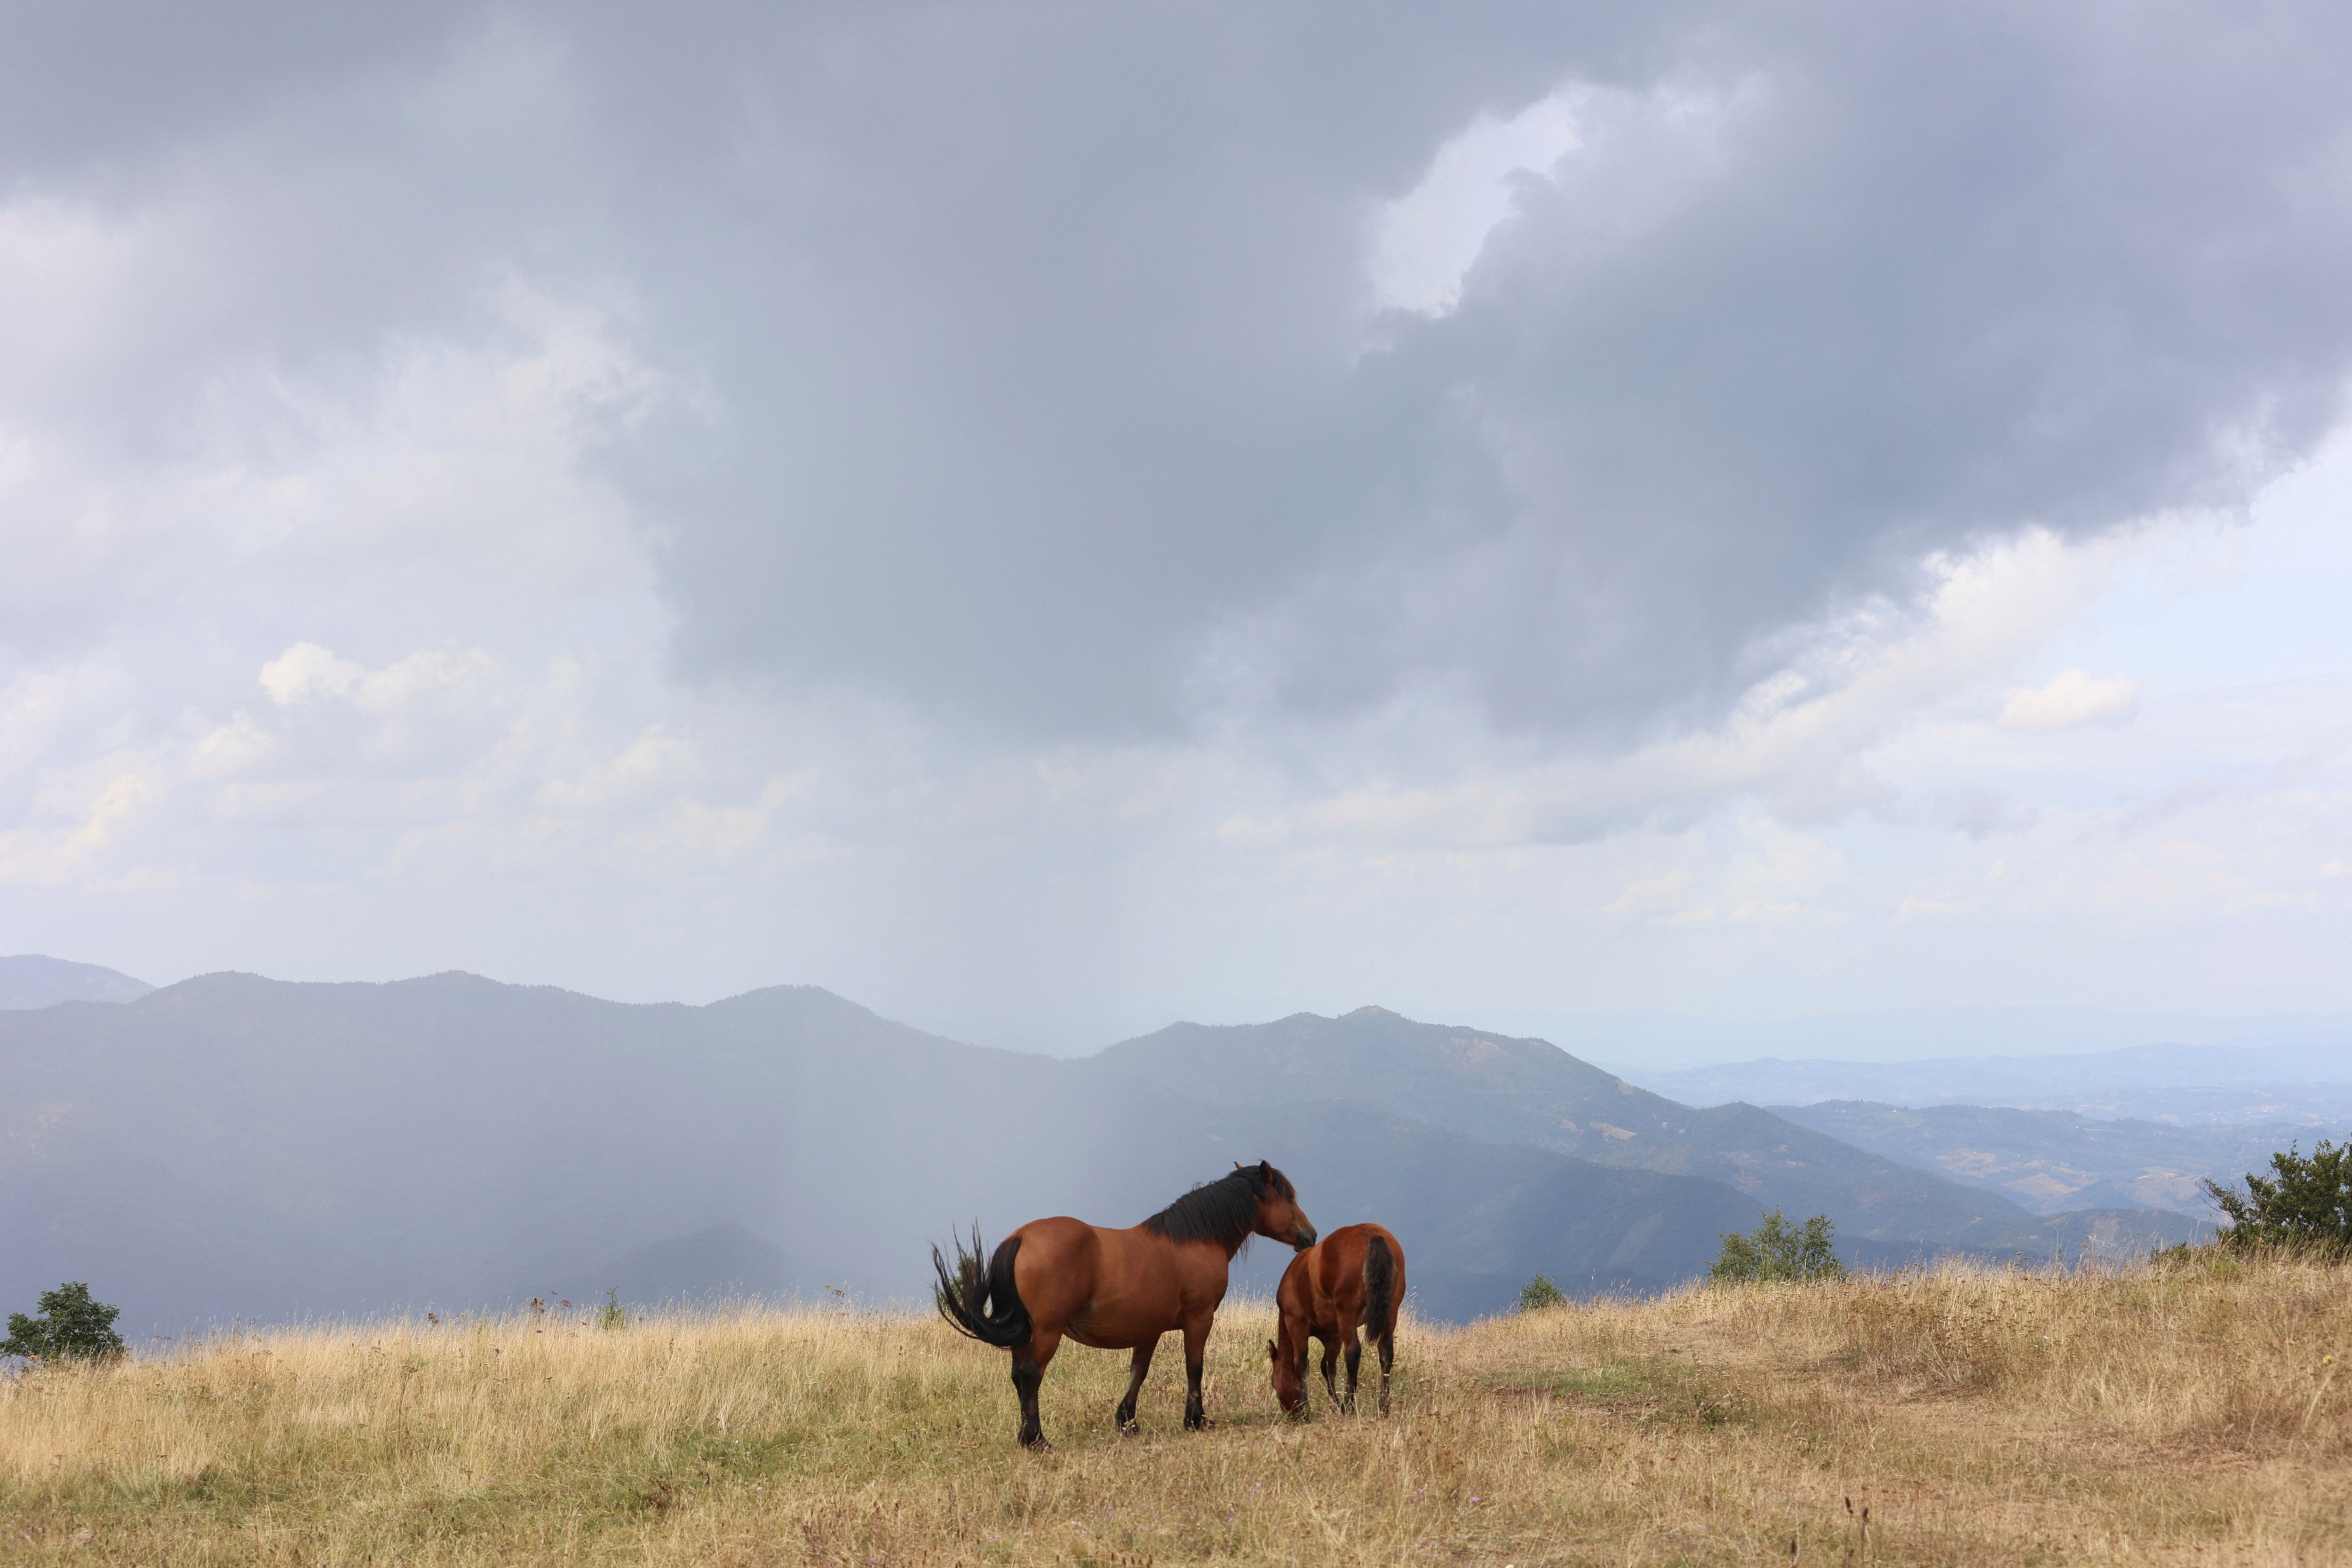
pixel 1380 1285
pixel 983 1305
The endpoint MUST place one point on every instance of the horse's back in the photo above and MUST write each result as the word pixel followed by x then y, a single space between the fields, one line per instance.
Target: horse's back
pixel 1314 1292
pixel 1055 1268
pixel 1055 1237
pixel 1340 1278
pixel 1114 1288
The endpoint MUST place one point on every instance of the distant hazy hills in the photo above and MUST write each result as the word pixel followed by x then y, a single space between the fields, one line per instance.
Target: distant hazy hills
pixel 1502 1089
pixel 233 1146
pixel 2304 1083
pixel 2056 1160
pixel 1659 1041
pixel 30 981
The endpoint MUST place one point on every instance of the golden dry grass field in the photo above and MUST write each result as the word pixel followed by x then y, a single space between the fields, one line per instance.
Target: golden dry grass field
pixel 2186 1413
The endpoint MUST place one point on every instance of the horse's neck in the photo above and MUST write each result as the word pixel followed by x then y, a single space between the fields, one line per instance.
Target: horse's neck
pixel 1221 1248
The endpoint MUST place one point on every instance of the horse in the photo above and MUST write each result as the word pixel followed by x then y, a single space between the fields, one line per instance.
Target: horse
pixel 1116 1289
pixel 1355 1276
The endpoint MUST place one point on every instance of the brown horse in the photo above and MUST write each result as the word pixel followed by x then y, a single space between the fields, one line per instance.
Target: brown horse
pixel 1354 1277
pixel 1116 1289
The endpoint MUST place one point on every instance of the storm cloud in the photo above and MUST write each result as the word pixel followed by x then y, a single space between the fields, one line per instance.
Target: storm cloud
pixel 579 441
pixel 1025 366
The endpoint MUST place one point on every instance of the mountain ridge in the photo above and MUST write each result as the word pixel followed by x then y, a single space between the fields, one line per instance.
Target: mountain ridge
pixel 2054 1160
pixel 32 980
pixel 234 1146
pixel 1521 1090
pixel 2073 1081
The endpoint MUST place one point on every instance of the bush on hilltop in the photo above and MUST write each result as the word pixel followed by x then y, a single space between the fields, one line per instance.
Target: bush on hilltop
pixel 2306 1201
pixel 71 1327
pixel 1777 1249
pixel 1540 1293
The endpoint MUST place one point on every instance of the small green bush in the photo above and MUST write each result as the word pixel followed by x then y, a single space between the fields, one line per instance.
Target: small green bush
pixel 1540 1293
pixel 71 1327
pixel 611 1315
pixel 2304 1202
pixel 1777 1249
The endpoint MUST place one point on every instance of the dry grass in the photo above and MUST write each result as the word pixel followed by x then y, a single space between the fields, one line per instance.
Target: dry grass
pixel 2186 1414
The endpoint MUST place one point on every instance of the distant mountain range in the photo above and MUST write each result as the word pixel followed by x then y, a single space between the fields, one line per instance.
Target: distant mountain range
pixel 237 1147
pixel 31 980
pixel 1660 1042
pixel 1507 1090
pixel 2053 1161
pixel 2178 1083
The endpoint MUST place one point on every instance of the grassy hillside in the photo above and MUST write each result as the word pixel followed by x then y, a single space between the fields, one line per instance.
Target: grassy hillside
pixel 2189 1414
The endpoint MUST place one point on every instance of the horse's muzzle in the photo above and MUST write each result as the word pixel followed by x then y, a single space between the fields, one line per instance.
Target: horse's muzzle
pixel 1302 1239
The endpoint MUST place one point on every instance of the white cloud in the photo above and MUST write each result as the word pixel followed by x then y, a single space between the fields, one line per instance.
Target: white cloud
pixel 2073 698
pixel 1427 238
pixel 305 670
pixel 460 678
pixel 1799 738
pixel 93 808
pixel 1646 893
pixel 655 759
pixel 232 748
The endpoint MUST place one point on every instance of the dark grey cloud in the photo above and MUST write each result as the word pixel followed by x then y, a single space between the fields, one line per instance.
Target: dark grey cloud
pixel 97 88
pixel 1042 341
pixel 1035 332
pixel 1032 373
pixel 1917 278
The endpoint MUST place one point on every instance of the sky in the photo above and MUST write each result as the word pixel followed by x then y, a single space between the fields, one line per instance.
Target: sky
pixel 1047 520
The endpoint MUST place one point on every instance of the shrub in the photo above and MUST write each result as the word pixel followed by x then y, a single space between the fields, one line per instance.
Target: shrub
pixel 2306 1201
pixel 71 1327
pixel 1540 1293
pixel 1777 1249
pixel 611 1315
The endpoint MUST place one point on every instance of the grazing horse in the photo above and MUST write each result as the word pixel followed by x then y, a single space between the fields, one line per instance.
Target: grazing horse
pixel 1116 1289
pixel 1355 1276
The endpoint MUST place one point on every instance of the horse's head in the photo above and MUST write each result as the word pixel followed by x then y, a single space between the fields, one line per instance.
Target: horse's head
pixel 1289 1377
pixel 1280 1217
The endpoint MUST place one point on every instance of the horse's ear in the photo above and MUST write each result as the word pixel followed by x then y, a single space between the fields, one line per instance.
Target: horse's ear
pixel 1272 1353
pixel 1265 1170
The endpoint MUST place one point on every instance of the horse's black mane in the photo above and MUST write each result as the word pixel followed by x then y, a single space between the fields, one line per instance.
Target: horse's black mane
pixel 1223 1211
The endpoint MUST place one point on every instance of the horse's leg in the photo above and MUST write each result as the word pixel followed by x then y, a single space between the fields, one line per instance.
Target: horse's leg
pixel 1196 1346
pixel 1386 1345
pixel 1137 1368
pixel 1030 1359
pixel 1355 1348
pixel 1330 1366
